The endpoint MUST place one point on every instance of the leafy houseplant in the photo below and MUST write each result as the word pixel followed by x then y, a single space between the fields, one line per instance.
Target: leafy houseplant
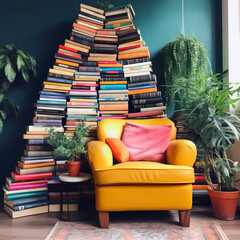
pixel 71 147
pixel 183 57
pixel 204 102
pixel 13 60
pixel 104 5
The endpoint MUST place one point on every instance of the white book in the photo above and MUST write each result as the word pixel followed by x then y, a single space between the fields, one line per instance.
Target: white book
pixel 149 63
pixel 52 99
pixel 44 129
pixel 113 91
pixel 136 74
pixel 81 110
pixel 89 18
pixel 136 69
pixel 87 25
pixel 152 109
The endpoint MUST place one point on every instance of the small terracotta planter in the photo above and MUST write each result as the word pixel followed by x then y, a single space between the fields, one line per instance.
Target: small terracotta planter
pixel 74 168
pixel 224 204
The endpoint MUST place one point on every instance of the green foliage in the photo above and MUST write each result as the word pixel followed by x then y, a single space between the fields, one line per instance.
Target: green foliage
pixel 183 57
pixel 66 145
pixel 104 5
pixel 204 102
pixel 13 60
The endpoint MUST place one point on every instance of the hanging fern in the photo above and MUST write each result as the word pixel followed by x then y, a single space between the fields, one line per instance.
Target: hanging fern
pixel 183 57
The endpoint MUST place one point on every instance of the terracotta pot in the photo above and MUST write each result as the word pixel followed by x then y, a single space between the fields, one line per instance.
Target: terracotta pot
pixel 224 204
pixel 74 168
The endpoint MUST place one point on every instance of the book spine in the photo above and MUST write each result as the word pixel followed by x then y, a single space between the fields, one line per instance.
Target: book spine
pixel 147 95
pixel 84 28
pixel 67 62
pixel 88 69
pixel 134 55
pixel 145 78
pixel 69 54
pixel 113 87
pixel 28 200
pixel 84 42
pixel 132 85
pixel 84 37
pixel 138 107
pixel 27 186
pixel 114 107
pixel 39 147
pixel 60 76
pixel 59 80
pixel 133 61
pixel 147 90
pixel 16 196
pixel 30 205
pixel 143 87
pixel 113 79
pixel 146 101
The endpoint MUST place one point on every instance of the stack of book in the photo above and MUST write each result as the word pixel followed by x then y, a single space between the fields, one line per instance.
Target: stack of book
pixel 26 194
pixel 135 57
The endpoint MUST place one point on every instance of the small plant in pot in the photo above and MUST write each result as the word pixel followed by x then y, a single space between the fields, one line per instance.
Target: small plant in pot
pixel 204 102
pixel 70 146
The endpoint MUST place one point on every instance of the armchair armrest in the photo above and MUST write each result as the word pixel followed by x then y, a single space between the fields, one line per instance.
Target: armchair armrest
pixel 181 152
pixel 99 155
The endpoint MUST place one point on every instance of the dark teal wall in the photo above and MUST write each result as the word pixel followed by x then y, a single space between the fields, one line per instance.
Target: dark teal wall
pixel 39 26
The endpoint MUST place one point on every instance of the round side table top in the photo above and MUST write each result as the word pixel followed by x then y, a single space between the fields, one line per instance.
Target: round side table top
pixel 81 178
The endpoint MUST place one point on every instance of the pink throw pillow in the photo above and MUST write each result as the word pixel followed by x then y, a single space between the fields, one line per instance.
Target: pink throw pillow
pixel 146 142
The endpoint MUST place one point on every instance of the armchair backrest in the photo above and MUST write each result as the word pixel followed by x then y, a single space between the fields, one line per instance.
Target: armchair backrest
pixel 113 128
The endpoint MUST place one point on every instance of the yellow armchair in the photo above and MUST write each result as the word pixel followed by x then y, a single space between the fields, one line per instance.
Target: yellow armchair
pixel 141 185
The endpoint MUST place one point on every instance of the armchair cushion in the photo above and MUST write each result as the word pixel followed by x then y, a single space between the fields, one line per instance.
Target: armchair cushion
pixel 119 150
pixel 144 172
pixel 146 142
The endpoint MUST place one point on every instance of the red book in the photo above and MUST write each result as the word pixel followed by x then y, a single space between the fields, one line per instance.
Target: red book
pixel 18 177
pixel 68 48
pixel 199 178
pixel 69 54
pixel 129 47
pixel 143 114
pixel 112 72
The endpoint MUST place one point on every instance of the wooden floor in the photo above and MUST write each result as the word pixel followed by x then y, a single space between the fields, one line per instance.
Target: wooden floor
pixel 38 226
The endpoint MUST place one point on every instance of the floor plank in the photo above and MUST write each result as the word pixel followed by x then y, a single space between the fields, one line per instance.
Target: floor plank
pixel 37 227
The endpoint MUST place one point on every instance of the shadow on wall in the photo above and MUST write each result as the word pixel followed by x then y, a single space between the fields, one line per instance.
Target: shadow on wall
pixel 25 95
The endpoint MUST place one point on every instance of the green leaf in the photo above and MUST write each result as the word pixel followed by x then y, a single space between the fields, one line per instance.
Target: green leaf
pixel 20 63
pixel 10 46
pixel 3 114
pixel 25 75
pixel 9 71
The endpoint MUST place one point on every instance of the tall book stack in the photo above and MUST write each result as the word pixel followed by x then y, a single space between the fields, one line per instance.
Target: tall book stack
pixel 26 194
pixel 134 55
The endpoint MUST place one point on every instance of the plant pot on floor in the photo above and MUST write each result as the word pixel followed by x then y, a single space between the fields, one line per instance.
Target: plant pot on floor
pixel 224 204
pixel 74 168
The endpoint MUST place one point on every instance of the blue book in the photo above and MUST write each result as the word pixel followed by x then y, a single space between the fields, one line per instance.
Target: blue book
pixel 37 157
pixel 111 69
pixel 23 201
pixel 52 93
pixel 113 87
pixel 51 102
pixel 113 99
pixel 59 80
pixel 30 205
pixel 53 96
pixel 37 141
pixel 135 88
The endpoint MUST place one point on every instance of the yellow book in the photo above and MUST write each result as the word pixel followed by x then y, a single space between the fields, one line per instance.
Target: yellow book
pixel 57 71
pixel 58 84
pixel 66 70
pixel 113 82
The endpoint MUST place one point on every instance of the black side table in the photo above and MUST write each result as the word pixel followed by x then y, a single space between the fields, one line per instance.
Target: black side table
pixel 70 184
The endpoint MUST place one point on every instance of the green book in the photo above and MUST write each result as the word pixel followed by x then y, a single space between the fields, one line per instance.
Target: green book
pixel 24 195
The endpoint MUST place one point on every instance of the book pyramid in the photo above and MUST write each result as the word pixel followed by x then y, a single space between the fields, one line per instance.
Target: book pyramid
pixel 103 70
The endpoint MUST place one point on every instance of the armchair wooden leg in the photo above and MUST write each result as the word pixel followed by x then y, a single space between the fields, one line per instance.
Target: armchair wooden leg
pixel 184 217
pixel 103 219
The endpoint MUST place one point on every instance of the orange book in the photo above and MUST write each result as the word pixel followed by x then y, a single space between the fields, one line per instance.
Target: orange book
pixel 134 50
pixel 201 187
pixel 99 59
pixel 118 21
pixel 48 116
pixel 88 29
pixel 57 87
pixel 113 107
pixel 90 21
pixel 134 55
pixel 37 132
pixel 113 82
pixel 109 32
pixel 106 39
pixel 128 43
pixel 67 63
pixel 110 65
pixel 146 90
pixel 58 84
pixel 124 27
pixel 24 166
pixel 29 136
pixel 83 100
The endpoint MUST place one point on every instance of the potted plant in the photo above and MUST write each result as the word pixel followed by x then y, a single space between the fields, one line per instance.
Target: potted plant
pixel 72 147
pixel 13 60
pixel 204 102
